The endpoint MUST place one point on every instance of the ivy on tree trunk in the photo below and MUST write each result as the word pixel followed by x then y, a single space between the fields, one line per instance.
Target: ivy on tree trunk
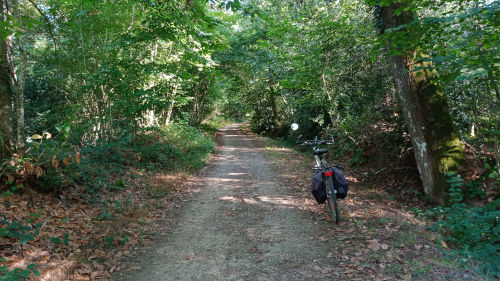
pixel 436 143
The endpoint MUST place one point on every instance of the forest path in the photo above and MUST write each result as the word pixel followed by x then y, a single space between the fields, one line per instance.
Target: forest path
pixel 242 223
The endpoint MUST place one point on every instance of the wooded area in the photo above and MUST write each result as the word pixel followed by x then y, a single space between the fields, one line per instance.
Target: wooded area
pixel 407 88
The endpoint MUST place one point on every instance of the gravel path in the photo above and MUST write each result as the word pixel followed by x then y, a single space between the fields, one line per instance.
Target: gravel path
pixel 242 224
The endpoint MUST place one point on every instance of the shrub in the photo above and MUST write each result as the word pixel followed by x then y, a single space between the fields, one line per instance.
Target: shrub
pixel 474 232
pixel 44 163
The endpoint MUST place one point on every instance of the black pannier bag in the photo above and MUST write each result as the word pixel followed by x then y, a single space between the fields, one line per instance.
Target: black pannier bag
pixel 340 183
pixel 318 187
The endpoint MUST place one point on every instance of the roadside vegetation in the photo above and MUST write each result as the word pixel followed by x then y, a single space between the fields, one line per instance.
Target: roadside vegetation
pixel 393 238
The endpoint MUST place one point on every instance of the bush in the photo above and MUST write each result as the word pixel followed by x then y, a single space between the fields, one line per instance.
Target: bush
pixel 44 163
pixel 51 165
pixel 473 232
pixel 189 148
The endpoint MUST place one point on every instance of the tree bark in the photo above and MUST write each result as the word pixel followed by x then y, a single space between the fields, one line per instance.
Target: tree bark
pixel 330 100
pixel 171 106
pixel 201 93
pixel 6 136
pixel 19 79
pixel 274 107
pixel 437 146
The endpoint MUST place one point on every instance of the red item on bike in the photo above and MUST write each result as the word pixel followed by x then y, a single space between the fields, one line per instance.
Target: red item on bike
pixel 327 174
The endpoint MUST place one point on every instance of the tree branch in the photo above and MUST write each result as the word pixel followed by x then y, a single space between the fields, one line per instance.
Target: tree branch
pixel 47 21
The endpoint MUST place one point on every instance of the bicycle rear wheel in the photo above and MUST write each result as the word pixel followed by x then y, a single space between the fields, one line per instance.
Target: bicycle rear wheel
pixel 332 200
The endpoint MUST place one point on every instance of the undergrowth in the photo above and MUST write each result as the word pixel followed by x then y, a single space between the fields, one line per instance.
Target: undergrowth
pixel 52 165
pixel 473 233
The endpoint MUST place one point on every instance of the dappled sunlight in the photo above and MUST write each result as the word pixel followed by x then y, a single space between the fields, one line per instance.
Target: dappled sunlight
pixel 238 137
pixel 58 270
pixel 237 174
pixel 240 149
pixel 275 148
pixel 351 179
pixel 29 257
pixel 222 180
pixel 356 208
pixel 286 200
pixel 277 201
pixel 249 201
pixel 52 269
pixel 238 200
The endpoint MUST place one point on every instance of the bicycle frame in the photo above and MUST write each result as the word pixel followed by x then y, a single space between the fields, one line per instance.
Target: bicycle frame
pixel 321 166
pixel 331 192
pixel 318 161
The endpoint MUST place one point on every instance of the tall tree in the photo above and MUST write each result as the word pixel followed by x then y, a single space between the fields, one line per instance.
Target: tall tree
pixel 436 143
pixel 6 141
pixel 18 75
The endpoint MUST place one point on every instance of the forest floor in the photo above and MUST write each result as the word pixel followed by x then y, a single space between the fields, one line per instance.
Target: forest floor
pixel 248 215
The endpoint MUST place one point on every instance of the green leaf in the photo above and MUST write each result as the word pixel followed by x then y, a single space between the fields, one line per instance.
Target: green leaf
pixel 36 215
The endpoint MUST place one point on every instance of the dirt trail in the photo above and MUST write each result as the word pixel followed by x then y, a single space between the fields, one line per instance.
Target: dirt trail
pixel 242 224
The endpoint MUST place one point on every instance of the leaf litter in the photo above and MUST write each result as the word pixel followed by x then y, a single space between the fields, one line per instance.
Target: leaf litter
pixel 375 239
pixel 82 241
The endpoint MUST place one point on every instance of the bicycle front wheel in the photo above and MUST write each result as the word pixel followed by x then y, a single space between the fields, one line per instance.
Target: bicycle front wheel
pixel 332 200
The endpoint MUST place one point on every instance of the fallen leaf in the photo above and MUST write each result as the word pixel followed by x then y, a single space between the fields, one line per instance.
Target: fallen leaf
pixel 326 270
pixel 36 137
pixel 373 245
pixel 135 267
pixel 39 171
pixel 349 270
pixel 443 243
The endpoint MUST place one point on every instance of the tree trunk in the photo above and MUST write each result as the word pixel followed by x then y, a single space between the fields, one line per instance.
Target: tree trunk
pixel 19 79
pixel 171 106
pixel 274 107
pixel 330 100
pixel 196 116
pixel 6 140
pixel 437 146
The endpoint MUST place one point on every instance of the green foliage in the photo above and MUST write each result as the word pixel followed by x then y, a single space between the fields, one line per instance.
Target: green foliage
pixel 17 274
pixel 317 72
pixel 58 241
pixel 118 82
pixel 474 232
pixel 192 147
pixel 22 232
pixel 212 125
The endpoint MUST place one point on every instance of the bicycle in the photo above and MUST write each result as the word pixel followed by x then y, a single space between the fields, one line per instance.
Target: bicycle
pixel 322 166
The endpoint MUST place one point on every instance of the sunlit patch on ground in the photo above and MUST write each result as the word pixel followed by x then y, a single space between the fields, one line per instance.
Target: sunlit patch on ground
pixel 237 174
pixel 98 234
pixel 378 239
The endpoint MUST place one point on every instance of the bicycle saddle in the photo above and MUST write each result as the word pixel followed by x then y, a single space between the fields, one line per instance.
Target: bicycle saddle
pixel 320 151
